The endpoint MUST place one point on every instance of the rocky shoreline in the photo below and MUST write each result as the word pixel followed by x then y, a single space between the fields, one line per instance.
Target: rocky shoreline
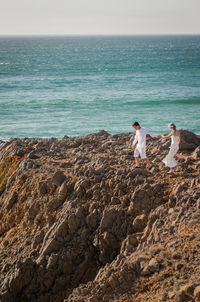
pixel 78 224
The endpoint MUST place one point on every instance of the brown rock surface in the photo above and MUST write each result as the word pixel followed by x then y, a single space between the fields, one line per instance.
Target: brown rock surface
pixel 79 224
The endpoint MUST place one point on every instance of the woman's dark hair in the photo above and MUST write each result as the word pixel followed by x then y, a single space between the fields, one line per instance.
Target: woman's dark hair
pixel 135 124
pixel 172 126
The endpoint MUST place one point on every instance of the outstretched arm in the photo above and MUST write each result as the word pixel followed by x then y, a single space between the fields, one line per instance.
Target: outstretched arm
pixel 168 135
pixel 152 134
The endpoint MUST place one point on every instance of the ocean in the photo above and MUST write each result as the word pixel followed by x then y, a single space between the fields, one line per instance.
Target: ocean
pixel 75 85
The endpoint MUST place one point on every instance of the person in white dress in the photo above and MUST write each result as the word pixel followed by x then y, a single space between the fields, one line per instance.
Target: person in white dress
pixel 140 140
pixel 169 160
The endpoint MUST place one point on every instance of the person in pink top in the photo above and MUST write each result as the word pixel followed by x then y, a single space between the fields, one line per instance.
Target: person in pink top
pixel 140 140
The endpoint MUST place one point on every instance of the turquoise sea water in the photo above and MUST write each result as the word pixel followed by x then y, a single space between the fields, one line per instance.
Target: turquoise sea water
pixel 52 86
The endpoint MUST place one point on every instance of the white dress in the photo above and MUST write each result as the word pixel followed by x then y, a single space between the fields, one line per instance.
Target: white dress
pixel 140 139
pixel 169 160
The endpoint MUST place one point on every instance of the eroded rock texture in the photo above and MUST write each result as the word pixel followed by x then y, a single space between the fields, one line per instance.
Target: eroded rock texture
pixel 79 224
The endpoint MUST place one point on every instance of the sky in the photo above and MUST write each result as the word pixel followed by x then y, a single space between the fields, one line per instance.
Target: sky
pixel 96 17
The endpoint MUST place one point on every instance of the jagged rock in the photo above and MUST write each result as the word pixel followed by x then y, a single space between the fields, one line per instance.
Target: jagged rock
pixel 129 244
pixel 20 278
pixel 58 230
pixel 38 239
pixel 80 187
pixel 152 218
pixel 137 172
pixel 185 293
pixel 189 140
pixel 93 299
pixel 65 137
pixel 151 267
pixel 108 240
pixel 102 133
pixel 62 193
pixel 11 200
pixel 178 266
pixel 108 217
pixel 33 210
pixel 58 178
pixel 49 245
pixel 52 261
pixel 18 151
pixel 94 229
pixel 92 220
pixel 196 152
pixel 197 294
pixel 73 223
pixel 171 294
pixel 32 155
pixel 42 188
pixel 141 201
pixel 55 203
pixel 139 223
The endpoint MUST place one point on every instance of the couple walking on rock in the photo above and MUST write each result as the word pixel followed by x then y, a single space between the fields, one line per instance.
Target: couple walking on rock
pixel 140 148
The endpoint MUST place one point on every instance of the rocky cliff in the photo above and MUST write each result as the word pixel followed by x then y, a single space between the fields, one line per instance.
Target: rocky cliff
pixel 77 223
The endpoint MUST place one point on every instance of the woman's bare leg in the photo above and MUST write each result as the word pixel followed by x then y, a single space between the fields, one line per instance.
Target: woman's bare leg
pixel 177 167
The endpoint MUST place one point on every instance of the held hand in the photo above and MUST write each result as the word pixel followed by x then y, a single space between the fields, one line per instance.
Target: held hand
pixel 133 147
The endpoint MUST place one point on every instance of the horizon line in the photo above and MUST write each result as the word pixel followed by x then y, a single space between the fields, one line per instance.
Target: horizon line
pixel 92 35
